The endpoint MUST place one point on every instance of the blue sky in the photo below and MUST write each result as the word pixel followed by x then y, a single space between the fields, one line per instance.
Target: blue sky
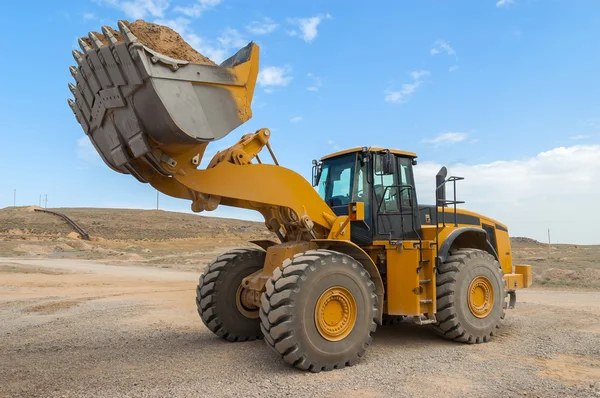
pixel 503 92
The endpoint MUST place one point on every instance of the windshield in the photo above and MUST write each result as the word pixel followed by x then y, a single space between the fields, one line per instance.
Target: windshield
pixel 335 184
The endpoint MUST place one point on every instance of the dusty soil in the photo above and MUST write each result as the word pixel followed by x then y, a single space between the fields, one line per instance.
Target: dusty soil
pixel 159 38
pixel 182 240
pixel 558 266
pixel 73 328
pixel 166 41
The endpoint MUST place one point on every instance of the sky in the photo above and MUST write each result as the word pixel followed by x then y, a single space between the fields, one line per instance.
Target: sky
pixel 505 93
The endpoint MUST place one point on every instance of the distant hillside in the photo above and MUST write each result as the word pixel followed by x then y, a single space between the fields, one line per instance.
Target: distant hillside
pixel 126 224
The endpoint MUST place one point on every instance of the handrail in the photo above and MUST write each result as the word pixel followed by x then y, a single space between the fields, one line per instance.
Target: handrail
pixel 82 232
pixel 444 202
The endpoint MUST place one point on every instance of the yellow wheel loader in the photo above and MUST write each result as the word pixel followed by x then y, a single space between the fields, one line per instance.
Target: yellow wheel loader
pixel 355 249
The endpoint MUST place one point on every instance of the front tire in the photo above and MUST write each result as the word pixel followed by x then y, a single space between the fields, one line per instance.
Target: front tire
pixel 319 310
pixel 218 295
pixel 470 296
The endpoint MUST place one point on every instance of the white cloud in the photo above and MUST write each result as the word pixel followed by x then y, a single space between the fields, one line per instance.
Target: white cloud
pixel 579 136
pixel 307 26
pixel 266 26
pixel 296 119
pixel 226 44
pixel 139 9
pixel 504 3
pixel 407 89
pixel 453 68
pixel 88 16
pixel 315 84
pixel 441 46
pixel 232 39
pixel 86 151
pixel 274 76
pixel 553 189
pixel 447 138
pixel 418 74
pixel 195 10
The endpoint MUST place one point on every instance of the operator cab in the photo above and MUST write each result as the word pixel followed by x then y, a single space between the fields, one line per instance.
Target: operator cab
pixel 383 180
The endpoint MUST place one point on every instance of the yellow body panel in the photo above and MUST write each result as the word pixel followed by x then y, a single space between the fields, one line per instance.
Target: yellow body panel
pixel 409 292
pixel 520 279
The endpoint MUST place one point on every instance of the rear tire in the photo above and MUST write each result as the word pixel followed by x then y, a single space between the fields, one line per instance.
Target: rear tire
pixel 319 310
pixel 470 296
pixel 217 295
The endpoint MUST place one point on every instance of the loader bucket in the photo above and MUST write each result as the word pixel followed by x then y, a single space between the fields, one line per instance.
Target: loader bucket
pixel 135 103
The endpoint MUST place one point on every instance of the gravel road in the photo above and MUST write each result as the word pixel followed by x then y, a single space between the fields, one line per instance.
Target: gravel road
pixel 71 328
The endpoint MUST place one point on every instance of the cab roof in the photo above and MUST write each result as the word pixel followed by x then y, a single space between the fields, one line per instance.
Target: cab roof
pixel 371 149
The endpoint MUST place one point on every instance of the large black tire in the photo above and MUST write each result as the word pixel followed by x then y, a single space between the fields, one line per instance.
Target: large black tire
pixel 217 292
pixel 456 321
pixel 289 304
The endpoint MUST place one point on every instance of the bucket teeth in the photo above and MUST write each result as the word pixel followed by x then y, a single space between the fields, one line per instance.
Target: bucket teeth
pixel 126 33
pixel 109 36
pixel 73 71
pixel 72 88
pixel 96 42
pixel 78 57
pixel 84 46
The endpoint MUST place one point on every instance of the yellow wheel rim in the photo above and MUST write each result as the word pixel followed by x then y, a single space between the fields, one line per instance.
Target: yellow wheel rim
pixel 481 297
pixel 244 304
pixel 335 313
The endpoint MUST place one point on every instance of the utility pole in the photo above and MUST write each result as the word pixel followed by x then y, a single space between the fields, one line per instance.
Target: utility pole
pixel 15 198
pixel 548 242
pixel 46 201
pixel 40 200
pixel 157 199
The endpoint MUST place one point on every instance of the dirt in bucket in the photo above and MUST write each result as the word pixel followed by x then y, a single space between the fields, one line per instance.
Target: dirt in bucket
pixel 166 41
pixel 159 38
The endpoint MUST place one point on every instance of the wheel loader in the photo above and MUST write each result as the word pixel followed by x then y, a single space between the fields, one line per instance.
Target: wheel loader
pixel 354 249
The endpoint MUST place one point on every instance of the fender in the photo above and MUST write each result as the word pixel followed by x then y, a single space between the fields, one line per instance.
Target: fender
pixel 466 238
pixel 354 251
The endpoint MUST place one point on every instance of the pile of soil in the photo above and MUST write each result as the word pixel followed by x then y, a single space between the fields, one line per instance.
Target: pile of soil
pixel 526 241
pixel 166 41
pixel 159 38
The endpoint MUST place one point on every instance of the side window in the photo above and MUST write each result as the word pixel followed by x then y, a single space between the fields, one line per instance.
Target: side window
pixel 405 174
pixel 341 186
pixel 340 176
pixel 323 182
pixel 386 198
pixel 359 186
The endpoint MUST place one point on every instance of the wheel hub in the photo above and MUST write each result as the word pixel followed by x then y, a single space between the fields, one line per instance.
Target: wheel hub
pixel 335 313
pixel 244 300
pixel 481 297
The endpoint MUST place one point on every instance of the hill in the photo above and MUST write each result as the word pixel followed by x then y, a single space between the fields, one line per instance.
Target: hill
pixel 189 241
pixel 125 224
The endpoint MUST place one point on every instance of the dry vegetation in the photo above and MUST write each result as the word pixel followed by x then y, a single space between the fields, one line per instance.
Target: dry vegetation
pixel 188 241
pixel 165 239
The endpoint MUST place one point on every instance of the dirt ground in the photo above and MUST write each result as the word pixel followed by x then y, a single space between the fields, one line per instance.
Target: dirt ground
pixel 115 316
pixel 82 328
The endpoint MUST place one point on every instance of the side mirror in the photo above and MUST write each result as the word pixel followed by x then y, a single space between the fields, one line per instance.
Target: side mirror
pixel 388 163
pixel 316 172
